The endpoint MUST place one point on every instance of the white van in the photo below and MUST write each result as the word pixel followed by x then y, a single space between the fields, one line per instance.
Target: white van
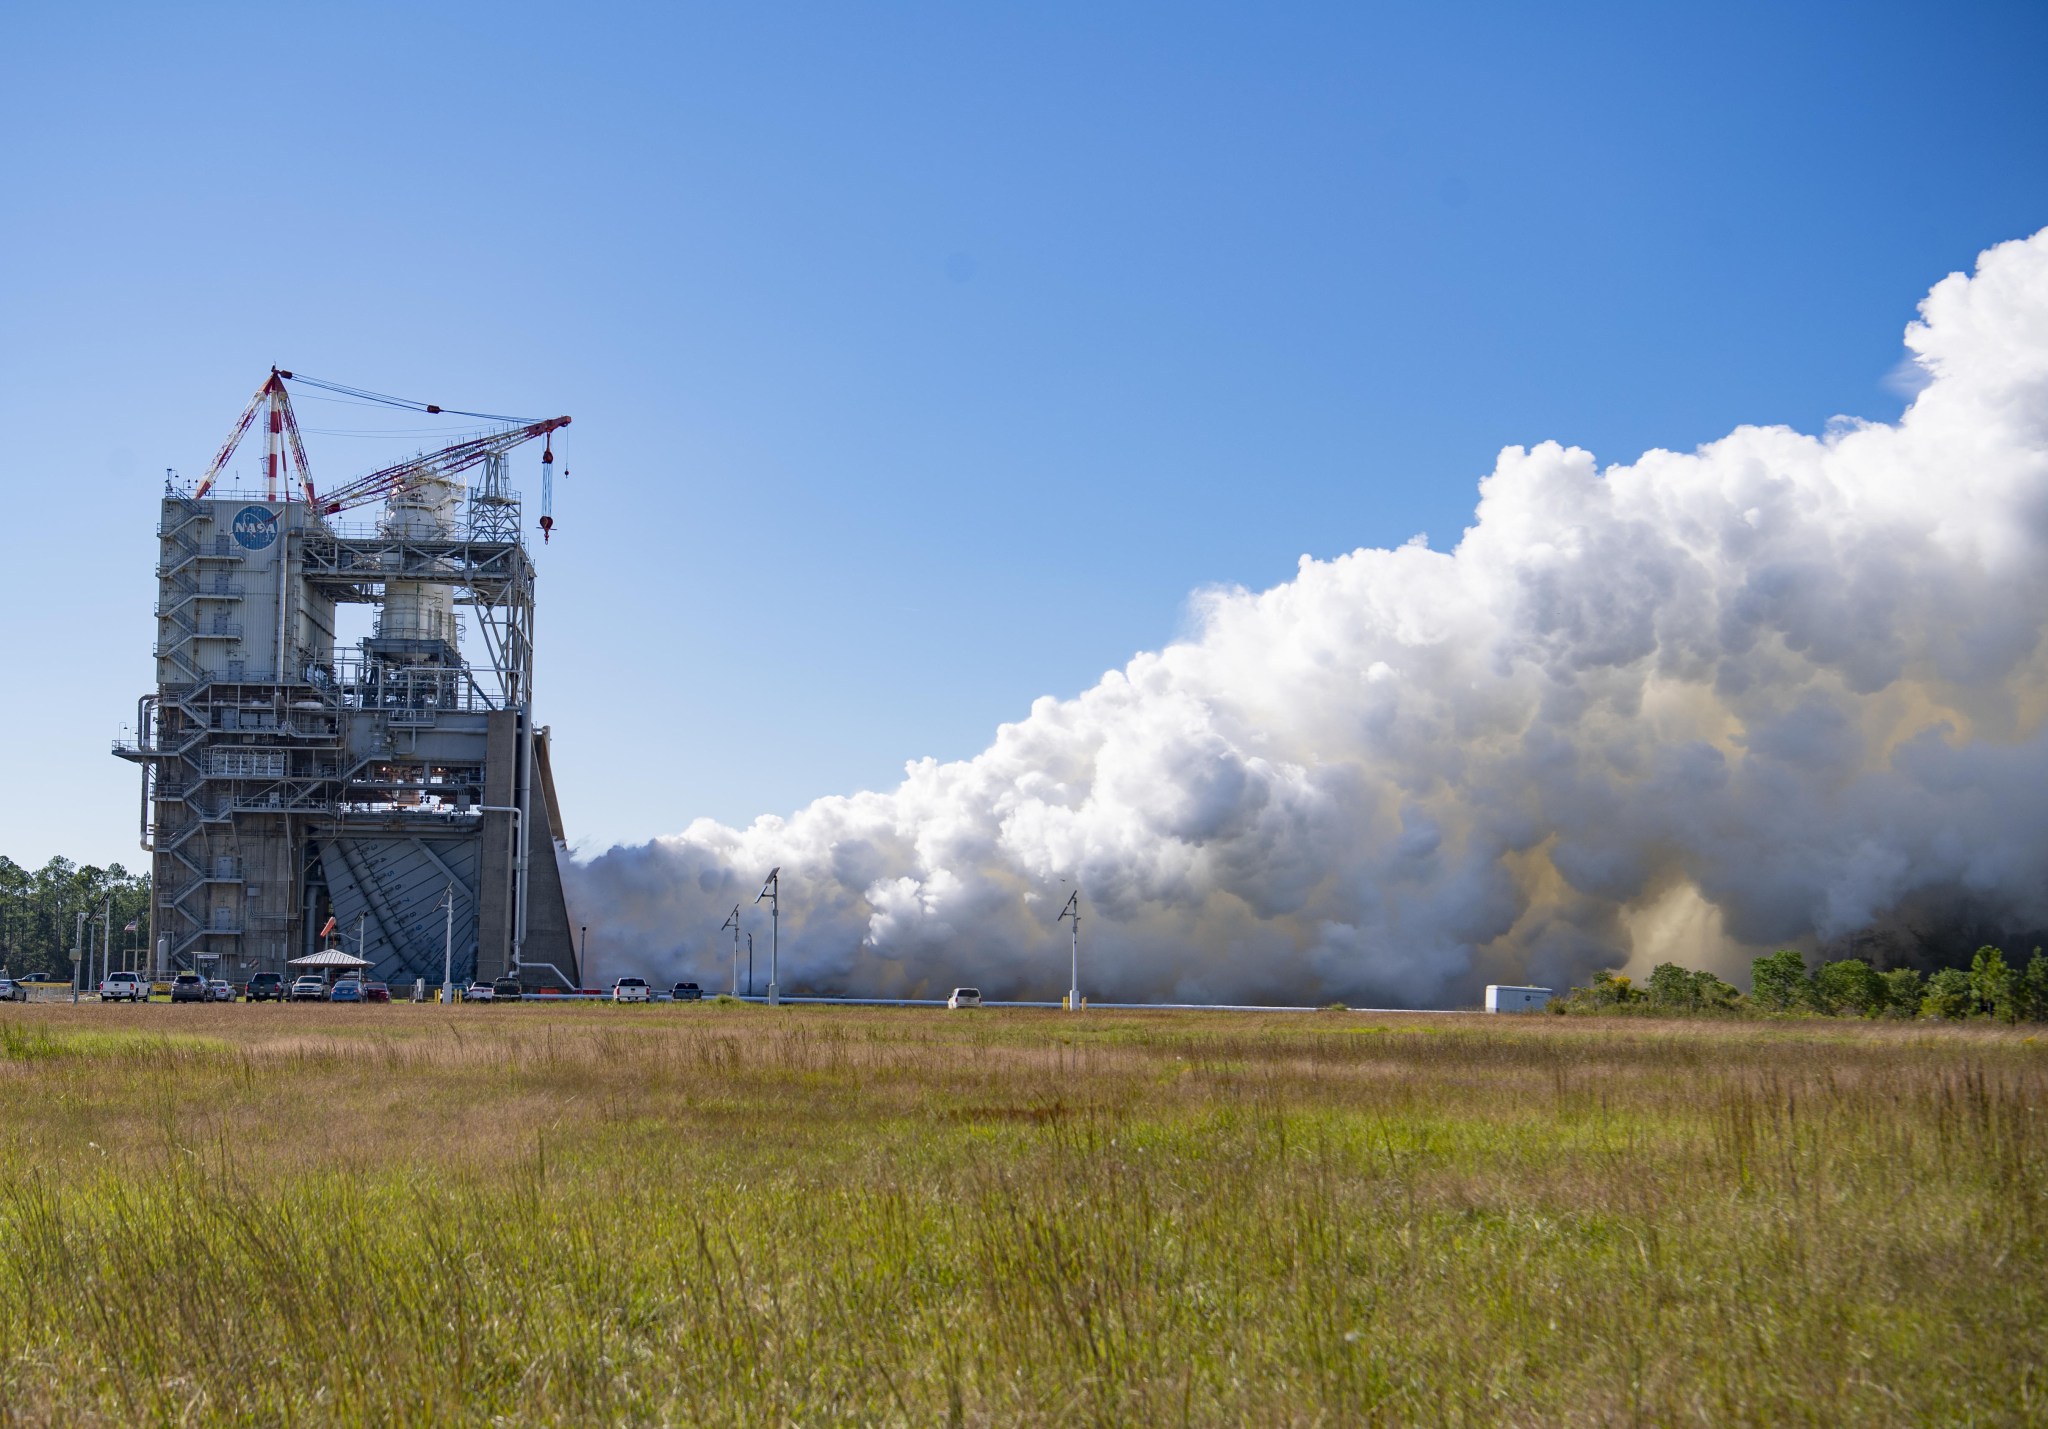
pixel 964 997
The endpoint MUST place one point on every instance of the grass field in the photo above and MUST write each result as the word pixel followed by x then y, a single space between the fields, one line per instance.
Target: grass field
pixel 744 1215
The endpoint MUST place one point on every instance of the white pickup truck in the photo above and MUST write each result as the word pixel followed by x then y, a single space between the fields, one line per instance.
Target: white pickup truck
pixel 124 987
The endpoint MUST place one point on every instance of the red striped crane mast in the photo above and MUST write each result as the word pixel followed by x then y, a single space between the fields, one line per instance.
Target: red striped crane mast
pixel 282 425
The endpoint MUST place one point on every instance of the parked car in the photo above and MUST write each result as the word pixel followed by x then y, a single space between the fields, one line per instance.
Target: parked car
pixel 632 989
pixel 265 987
pixel 220 990
pixel 347 990
pixel 125 987
pixel 376 992
pixel 686 992
pixel 507 989
pixel 188 987
pixel 12 991
pixel 478 992
pixel 964 997
pixel 310 988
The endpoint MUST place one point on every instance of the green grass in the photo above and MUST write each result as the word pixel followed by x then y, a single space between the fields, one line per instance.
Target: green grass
pixel 737 1215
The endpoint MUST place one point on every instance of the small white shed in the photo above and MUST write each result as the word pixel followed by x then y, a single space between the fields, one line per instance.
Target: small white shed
pixel 1501 998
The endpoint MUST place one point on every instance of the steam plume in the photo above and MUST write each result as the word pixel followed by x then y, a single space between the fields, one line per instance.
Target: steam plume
pixel 1772 690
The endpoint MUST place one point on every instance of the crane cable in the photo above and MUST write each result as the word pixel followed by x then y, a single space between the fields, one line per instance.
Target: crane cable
pixel 406 403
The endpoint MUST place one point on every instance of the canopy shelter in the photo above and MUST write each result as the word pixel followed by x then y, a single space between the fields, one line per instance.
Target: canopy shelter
pixel 329 958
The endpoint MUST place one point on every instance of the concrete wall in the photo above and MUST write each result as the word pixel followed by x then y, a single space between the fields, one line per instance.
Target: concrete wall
pixel 494 920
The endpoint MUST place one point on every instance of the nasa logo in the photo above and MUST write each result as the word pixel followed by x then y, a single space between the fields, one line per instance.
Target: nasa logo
pixel 255 528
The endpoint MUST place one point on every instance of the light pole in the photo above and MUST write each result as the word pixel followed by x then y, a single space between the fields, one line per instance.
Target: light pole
pixel 77 947
pixel 732 921
pixel 448 949
pixel 1073 910
pixel 750 965
pixel 772 891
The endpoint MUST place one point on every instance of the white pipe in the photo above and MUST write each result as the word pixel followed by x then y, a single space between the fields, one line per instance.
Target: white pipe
pixel 566 982
pixel 525 836
pixel 284 547
pixel 513 861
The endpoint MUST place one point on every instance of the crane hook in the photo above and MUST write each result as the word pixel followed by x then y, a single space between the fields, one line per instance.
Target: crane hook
pixel 547 490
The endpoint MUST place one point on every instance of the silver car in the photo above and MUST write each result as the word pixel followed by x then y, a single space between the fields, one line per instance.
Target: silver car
pixel 12 991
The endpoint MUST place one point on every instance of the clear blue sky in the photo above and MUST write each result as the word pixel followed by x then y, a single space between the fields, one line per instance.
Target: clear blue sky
pixel 924 358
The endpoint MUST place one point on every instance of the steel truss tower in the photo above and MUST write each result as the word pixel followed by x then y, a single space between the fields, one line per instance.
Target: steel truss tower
pixel 286 781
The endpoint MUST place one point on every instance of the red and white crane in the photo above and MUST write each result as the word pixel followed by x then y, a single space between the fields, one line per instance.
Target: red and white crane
pixel 282 424
pixel 449 461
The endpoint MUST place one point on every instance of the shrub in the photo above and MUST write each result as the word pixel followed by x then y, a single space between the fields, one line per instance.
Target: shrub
pixel 1949 995
pixel 1676 989
pixel 2033 989
pixel 1851 986
pixel 1903 992
pixel 1614 989
pixel 1672 986
pixel 1779 982
pixel 1609 991
pixel 1994 985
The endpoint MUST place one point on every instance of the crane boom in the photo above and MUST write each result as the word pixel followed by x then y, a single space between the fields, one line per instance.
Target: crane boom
pixel 448 461
pixel 283 422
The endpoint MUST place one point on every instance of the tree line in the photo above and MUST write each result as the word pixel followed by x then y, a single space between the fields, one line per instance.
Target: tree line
pixel 39 915
pixel 1991 987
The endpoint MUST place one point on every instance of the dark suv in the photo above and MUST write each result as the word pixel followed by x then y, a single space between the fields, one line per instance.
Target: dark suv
pixel 686 992
pixel 507 989
pixel 266 987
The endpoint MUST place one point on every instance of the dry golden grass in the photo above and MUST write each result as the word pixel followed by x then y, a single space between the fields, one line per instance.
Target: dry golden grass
pixel 701 1214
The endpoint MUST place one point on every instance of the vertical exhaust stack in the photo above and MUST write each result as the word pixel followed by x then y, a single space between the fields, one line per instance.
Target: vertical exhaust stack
pixel 423 612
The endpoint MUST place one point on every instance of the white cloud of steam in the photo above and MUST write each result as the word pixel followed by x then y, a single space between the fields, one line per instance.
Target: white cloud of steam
pixel 1768 691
